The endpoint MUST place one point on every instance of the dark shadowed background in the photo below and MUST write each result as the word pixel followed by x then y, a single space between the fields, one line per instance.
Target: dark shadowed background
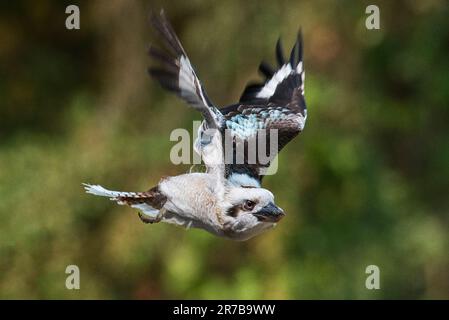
pixel 366 183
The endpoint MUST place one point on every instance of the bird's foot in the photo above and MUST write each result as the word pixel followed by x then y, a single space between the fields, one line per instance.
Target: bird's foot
pixel 145 218
pixel 148 219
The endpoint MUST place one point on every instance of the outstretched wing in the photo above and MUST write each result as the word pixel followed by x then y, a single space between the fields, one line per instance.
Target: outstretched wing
pixel 277 103
pixel 175 72
pixel 283 86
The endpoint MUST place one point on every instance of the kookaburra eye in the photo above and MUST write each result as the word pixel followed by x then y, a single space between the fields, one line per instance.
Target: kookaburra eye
pixel 248 205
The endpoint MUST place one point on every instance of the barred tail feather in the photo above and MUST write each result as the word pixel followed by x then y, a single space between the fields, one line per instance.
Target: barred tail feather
pixel 98 190
pixel 149 202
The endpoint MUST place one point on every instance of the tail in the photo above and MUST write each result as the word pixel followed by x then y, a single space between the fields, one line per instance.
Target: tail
pixel 149 202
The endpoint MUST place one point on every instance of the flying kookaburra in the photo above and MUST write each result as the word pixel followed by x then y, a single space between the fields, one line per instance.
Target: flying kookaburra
pixel 228 199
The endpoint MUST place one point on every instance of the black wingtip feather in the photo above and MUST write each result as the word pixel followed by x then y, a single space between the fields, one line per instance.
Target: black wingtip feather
pixel 293 61
pixel 279 53
pixel 163 27
pixel 165 78
pixel 159 55
pixel 250 91
pixel 266 70
pixel 300 45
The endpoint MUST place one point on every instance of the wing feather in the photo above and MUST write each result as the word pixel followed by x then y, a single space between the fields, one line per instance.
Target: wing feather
pixel 277 103
pixel 175 73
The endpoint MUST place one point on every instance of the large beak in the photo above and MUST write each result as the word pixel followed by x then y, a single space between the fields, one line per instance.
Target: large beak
pixel 270 213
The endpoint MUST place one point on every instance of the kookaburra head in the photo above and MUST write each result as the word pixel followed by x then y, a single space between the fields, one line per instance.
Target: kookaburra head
pixel 248 212
pixel 228 199
pixel 252 205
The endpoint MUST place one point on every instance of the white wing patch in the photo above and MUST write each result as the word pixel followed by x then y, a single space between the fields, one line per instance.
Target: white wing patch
pixel 302 121
pixel 300 70
pixel 188 81
pixel 270 87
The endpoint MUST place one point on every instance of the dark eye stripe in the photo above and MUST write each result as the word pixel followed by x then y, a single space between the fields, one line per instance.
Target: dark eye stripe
pixel 233 211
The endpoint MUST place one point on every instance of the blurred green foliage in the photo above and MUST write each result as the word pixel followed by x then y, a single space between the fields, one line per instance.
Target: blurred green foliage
pixel 366 183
